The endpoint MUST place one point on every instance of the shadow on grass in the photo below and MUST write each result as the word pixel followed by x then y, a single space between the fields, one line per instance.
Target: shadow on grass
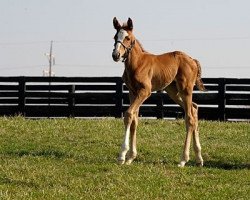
pixel 20 183
pixel 226 166
pixel 43 153
pixel 57 154
pixel 207 164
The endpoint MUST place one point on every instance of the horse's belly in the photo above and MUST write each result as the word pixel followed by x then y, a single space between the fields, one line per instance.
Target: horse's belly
pixel 163 77
pixel 158 85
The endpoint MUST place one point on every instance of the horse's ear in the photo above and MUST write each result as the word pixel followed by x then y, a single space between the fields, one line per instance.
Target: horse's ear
pixel 130 24
pixel 116 24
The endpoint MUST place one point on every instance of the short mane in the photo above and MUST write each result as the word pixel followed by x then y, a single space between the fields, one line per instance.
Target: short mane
pixel 143 50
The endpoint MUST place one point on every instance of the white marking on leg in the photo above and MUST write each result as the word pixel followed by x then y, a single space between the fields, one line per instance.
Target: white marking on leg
pixel 132 152
pixel 189 130
pixel 125 146
pixel 185 155
pixel 197 145
pixel 182 164
pixel 197 149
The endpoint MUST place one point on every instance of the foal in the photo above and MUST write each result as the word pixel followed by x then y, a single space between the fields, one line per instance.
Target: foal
pixel 174 72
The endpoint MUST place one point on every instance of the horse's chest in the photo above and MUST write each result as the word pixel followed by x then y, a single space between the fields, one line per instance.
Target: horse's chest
pixel 132 84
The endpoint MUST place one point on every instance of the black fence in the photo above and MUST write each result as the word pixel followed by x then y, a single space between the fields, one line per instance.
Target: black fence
pixel 225 99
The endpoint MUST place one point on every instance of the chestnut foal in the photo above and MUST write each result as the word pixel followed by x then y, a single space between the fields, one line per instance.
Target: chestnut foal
pixel 174 72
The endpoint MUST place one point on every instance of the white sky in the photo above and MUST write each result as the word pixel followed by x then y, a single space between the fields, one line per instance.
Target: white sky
pixel 216 32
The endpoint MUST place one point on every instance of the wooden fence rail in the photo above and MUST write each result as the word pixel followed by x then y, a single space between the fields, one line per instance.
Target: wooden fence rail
pixel 225 99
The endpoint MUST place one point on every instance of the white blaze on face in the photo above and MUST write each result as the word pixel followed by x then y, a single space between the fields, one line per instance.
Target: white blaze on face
pixel 120 37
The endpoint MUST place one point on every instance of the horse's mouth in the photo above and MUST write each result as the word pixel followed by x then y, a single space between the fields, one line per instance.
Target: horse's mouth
pixel 115 57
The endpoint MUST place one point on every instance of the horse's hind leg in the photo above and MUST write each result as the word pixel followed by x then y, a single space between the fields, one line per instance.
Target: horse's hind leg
pixel 190 128
pixel 191 120
pixel 174 94
pixel 196 139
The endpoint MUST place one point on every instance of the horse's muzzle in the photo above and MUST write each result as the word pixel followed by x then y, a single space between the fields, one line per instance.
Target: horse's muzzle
pixel 116 56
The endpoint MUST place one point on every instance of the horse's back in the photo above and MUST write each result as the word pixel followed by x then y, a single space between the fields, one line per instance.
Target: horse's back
pixel 174 65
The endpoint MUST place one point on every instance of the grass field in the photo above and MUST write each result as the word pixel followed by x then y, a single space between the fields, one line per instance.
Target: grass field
pixel 76 159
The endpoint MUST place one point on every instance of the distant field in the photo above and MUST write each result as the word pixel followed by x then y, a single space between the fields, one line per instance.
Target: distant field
pixel 76 159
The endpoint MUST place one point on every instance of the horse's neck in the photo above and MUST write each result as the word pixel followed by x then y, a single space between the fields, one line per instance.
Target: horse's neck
pixel 134 57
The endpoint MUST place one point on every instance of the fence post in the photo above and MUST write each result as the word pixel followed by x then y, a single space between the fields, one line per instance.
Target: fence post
pixel 160 106
pixel 21 100
pixel 71 100
pixel 222 99
pixel 119 98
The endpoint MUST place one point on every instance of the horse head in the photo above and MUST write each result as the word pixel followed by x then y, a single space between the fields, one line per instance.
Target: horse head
pixel 124 40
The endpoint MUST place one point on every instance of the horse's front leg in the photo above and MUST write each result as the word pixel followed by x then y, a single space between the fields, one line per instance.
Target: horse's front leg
pixel 130 123
pixel 132 151
pixel 128 118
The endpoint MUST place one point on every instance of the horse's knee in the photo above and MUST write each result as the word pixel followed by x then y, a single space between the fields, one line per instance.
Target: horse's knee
pixel 190 120
pixel 128 117
pixel 134 124
pixel 195 110
pixel 191 124
pixel 195 106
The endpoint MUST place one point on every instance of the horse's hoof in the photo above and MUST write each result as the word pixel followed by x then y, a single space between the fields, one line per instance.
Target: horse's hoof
pixel 129 161
pixel 182 164
pixel 199 164
pixel 121 162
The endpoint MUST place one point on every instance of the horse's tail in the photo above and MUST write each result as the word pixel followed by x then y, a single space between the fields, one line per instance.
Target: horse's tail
pixel 199 82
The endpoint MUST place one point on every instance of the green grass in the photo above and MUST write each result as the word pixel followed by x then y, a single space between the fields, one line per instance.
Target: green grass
pixel 76 159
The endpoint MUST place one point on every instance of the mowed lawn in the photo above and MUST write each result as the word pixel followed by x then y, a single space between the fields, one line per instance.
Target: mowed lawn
pixel 76 159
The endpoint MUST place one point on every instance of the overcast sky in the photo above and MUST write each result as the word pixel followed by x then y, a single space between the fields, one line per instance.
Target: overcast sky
pixel 216 32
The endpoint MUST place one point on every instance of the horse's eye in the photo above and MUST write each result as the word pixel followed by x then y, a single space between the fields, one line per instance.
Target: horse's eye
pixel 127 38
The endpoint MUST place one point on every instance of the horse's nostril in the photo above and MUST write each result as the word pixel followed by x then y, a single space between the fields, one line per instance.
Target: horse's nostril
pixel 116 56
